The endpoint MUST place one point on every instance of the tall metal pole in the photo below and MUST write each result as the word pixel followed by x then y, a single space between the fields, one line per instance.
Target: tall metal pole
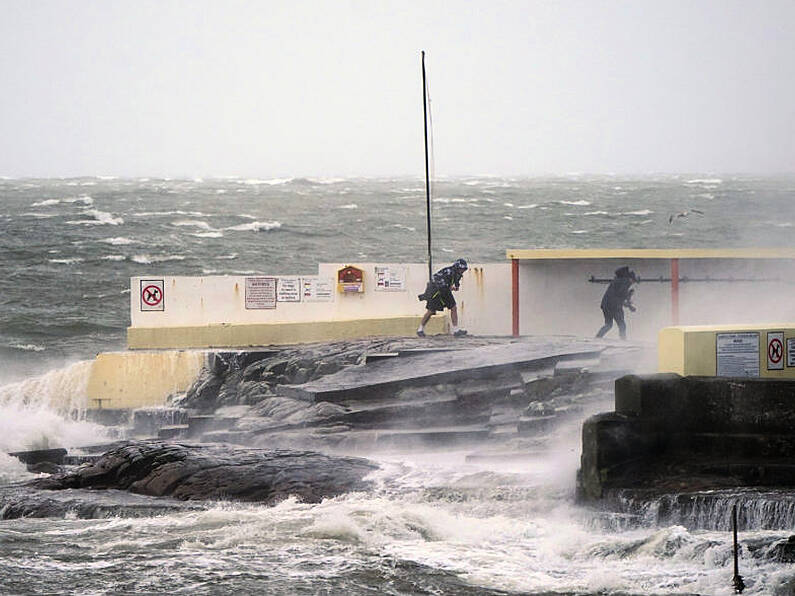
pixel 427 172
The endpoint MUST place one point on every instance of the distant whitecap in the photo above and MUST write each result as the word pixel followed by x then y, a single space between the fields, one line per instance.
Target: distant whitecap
pixel 530 206
pixel 638 212
pixel 114 258
pixel 580 203
pixel 214 234
pixel 349 206
pixel 117 241
pixel 71 261
pixel 596 213
pixel 256 226
pixel 100 218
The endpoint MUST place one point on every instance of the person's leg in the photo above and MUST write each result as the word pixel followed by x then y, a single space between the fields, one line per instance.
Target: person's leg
pixel 454 316
pixel 608 323
pixel 622 326
pixel 425 318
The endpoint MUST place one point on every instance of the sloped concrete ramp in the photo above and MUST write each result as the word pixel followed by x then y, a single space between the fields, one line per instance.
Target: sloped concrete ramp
pixel 380 378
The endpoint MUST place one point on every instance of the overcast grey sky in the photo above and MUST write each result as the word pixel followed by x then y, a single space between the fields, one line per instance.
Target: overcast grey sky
pixel 333 88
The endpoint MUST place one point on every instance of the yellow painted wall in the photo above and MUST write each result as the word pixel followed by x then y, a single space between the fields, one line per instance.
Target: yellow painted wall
pixel 692 350
pixel 264 334
pixel 137 379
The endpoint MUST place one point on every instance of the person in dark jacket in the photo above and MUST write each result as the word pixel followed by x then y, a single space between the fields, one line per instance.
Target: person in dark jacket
pixel 439 295
pixel 617 296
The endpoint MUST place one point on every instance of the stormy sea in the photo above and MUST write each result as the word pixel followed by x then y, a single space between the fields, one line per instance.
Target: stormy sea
pixel 426 522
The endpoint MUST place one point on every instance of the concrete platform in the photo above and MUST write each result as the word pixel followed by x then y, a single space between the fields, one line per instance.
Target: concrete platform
pixel 379 379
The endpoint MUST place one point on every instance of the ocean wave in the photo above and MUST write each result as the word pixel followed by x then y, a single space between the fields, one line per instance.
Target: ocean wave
pixel 530 206
pixel 192 223
pixel 174 212
pixel 71 261
pixel 704 195
pixel 84 199
pixel 268 182
pixel 578 232
pixel 580 203
pixel 27 347
pixel 455 200
pixel 101 218
pixel 402 227
pixel 507 217
pixel 117 241
pixel 596 213
pixel 507 204
pixel 149 259
pixel 638 212
pixel 114 258
pixel 227 257
pixel 256 226
pixel 710 181
pixel 349 206
pixel 213 234
pixel 40 215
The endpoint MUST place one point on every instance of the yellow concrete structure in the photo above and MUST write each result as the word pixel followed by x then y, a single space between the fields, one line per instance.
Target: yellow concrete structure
pixel 729 350
pixel 651 253
pixel 243 335
pixel 121 380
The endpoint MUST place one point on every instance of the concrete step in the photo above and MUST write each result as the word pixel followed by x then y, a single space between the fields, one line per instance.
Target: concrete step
pixel 36 456
pixel 173 432
pixel 198 425
pixel 746 445
pixel 535 424
pixel 411 414
pixel 432 437
pixel 386 377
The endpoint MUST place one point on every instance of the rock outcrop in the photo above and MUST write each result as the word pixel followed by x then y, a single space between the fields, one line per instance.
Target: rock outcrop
pixel 189 472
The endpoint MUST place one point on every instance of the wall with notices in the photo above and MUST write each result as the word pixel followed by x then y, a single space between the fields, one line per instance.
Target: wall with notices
pixel 390 290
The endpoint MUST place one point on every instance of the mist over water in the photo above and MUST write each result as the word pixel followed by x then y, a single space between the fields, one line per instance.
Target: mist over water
pixel 433 523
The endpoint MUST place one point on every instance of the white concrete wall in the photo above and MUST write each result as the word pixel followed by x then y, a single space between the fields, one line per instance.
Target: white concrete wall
pixel 557 298
pixel 484 300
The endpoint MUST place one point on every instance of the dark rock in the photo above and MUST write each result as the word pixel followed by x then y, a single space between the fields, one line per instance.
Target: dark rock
pixel 45 467
pixel 203 394
pixel 37 456
pixel 216 472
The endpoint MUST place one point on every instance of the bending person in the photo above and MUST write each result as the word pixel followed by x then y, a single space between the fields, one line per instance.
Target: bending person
pixel 617 296
pixel 439 295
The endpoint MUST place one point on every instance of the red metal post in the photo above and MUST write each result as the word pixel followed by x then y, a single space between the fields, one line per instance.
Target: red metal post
pixel 675 291
pixel 515 295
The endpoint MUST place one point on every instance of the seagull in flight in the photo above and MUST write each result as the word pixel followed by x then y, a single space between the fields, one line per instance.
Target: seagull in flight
pixel 684 213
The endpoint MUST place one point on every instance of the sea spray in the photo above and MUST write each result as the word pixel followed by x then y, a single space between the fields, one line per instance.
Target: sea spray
pixel 48 411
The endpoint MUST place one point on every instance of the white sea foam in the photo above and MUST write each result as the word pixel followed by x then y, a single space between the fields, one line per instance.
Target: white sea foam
pixel 40 215
pixel 256 226
pixel 580 203
pixel 704 195
pixel 579 232
pixel 174 212
pixel 706 181
pixel 269 182
pixel 530 206
pixel 508 204
pixel 100 218
pixel 227 257
pixel 638 212
pixel 214 234
pixel 38 412
pixel 349 206
pixel 596 213
pixel 28 347
pixel 117 241
pixel 70 261
pixel 46 203
pixel 192 223
pixel 507 217
pixel 114 258
pixel 402 227
pixel 149 259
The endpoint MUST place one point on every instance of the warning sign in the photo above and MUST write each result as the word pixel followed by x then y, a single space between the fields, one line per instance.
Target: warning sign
pixel 390 279
pixel 775 350
pixel 737 354
pixel 288 289
pixel 152 295
pixel 317 289
pixel 260 292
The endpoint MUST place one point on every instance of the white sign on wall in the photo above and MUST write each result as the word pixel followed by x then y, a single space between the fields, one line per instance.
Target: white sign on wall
pixel 791 351
pixel 737 354
pixel 775 350
pixel 390 278
pixel 260 292
pixel 288 289
pixel 152 295
pixel 317 289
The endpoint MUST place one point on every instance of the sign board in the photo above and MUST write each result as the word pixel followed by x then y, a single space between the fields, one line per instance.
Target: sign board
pixel 153 296
pixel 775 350
pixel 288 289
pixel 317 289
pixel 390 279
pixel 260 292
pixel 737 354
pixel 791 351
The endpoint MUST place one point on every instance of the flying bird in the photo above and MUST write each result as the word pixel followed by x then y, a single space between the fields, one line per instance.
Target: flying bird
pixel 684 213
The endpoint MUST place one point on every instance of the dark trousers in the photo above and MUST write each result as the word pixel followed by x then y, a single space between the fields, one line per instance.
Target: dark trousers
pixel 617 315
